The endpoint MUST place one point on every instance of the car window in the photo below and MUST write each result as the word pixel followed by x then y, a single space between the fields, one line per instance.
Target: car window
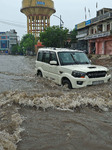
pixel 46 57
pixel 53 56
pixel 69 58
pixel 65 58
pixel 39 57
pixel 81 58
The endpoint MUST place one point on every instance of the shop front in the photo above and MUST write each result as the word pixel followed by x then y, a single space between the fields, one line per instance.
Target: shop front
pixel 102 46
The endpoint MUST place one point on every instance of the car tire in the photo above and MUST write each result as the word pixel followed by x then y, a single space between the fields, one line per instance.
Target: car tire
pixel 67 83
pixel 39 73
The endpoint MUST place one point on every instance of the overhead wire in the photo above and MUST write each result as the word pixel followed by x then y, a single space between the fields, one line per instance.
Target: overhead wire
pixel 12 23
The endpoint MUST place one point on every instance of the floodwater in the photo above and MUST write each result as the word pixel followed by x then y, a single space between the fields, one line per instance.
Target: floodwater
pixel 37 114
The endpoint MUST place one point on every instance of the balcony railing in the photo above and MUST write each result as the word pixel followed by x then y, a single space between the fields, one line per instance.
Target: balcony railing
pixel 102 17
pixel 98 35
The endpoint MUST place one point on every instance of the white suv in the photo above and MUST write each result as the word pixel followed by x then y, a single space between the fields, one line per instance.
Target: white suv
pixel 69 67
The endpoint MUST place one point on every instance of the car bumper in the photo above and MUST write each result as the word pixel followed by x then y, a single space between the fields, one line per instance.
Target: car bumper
pixel 82 82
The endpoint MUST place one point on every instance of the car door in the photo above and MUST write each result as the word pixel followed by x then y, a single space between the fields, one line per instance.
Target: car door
pixel 53 69
pixel 46 64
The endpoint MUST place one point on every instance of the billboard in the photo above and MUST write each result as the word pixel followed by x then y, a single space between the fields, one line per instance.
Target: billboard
pixel 2 32
pixel 4 37
pixel 88 22
pixel 81 25
pixel 4 44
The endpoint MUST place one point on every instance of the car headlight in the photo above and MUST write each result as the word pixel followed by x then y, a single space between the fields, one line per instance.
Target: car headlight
pixel 78 74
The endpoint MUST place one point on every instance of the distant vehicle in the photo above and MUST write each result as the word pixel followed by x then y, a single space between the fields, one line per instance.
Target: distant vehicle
pixel 69 67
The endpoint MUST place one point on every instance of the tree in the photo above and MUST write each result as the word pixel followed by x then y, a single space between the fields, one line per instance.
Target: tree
pixel 14 49
pixel 73 34
pixel 53 36
pixel 27 44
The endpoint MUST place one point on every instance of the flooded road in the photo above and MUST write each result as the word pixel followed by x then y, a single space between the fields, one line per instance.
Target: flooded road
pixel 37 114
pixel 14 72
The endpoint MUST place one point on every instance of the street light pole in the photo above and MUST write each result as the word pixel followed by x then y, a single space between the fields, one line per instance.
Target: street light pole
pixel 61 21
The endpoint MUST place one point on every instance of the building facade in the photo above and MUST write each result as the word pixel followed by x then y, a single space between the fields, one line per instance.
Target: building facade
pixel 7 40
pixel 97 33
pixel 38 14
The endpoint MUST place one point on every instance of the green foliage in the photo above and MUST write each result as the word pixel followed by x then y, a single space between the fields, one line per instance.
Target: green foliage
pixel 27 44
pixel 53 36
pixel 14 49
pixel 73 34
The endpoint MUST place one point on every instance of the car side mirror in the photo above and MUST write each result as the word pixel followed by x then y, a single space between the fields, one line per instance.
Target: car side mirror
pixel 53 62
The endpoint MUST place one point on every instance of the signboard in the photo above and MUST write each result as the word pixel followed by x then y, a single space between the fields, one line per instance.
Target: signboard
pixel 2 32
pixel 4 44
pixel 88 22
pixel 81 35
pixel 40 3
pixel 81 25
pixel 4 37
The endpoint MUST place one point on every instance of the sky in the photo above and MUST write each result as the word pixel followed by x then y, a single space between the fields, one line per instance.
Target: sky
pixel 71 11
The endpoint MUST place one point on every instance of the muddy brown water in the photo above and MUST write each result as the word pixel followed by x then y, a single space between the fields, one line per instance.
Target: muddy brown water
pixel 53 117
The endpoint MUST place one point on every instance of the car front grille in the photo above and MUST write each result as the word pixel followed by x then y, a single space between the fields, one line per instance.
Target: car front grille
pixel 96 74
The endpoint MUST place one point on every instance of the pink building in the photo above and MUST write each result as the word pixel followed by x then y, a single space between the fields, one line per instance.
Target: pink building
pixel 102 45
pixel 97 32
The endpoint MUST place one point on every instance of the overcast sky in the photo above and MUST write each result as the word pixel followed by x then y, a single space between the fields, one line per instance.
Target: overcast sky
pixel 72 12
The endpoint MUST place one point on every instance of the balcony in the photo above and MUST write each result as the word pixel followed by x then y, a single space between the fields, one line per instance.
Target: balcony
pixel 98 35
pixel 106 16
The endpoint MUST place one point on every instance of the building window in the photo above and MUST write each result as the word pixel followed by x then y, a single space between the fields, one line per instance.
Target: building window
pixel 100 28
pixel 95 31
pixel 108 27
pixel 92 31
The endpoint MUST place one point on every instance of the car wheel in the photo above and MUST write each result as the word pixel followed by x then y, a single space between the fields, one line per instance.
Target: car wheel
pixel 67 83
pixel 39 73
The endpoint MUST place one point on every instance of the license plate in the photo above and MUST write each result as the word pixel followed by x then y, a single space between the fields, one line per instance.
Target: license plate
pixel 97 82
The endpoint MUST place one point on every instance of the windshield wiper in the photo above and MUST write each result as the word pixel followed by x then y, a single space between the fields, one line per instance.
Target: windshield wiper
pixel 74 59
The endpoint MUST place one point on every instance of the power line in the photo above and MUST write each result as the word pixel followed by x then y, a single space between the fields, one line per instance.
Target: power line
pixel 12 21
pixel 12 24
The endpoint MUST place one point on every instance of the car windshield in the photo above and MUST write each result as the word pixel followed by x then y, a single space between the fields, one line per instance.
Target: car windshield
pixel 71 58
